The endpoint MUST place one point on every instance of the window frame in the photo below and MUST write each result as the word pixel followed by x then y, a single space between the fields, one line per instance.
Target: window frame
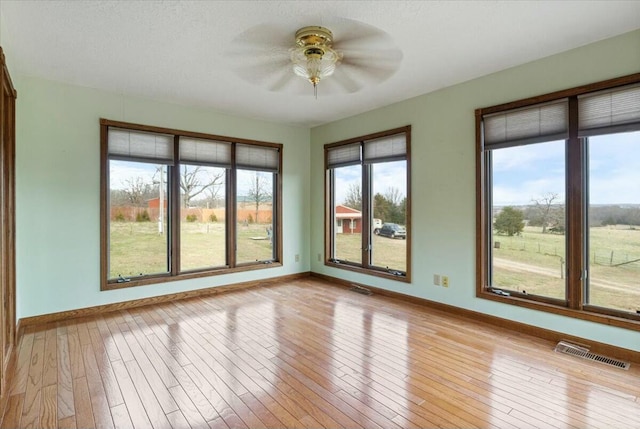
pixel 576 215
pixel 364 266
pixel 173 186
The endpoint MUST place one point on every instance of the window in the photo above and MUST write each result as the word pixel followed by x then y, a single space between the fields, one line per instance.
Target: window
pixel 559 202
pixel 368 204
pixel 177 205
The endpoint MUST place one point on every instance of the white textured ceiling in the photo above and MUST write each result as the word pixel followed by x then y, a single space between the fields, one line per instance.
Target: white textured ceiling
pixel 182 51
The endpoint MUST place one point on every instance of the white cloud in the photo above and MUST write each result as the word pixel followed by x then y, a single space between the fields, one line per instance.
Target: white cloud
pixel 121 171
pixel 526 172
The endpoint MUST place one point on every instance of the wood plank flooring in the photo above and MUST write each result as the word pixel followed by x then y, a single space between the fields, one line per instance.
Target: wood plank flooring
pixel 305 354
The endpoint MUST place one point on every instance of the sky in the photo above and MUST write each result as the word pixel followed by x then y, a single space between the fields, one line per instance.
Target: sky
pixel 386 175
pixel 525 173
pixel 521 173
pixel 120 171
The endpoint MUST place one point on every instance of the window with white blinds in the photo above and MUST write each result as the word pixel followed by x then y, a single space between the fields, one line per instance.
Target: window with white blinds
pixel 369 194
pixel 341 156
pixel 253 157
pixel 173 185
pixel 611 111
pixel 382 149
pixel 566 164
pixel 532 124
pixel 140 145
pixel 205 152
pixel 389 148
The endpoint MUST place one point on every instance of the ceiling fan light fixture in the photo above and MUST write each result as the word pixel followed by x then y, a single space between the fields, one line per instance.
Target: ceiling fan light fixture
pixel 313 58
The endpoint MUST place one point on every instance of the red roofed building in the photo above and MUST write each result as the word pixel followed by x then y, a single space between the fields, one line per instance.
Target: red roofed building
pixel 348 220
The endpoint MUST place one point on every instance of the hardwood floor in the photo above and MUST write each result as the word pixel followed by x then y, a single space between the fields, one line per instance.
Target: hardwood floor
pixel 305 354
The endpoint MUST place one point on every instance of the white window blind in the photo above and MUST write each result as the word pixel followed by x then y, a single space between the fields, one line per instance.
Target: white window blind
pixel 610 111
pixel 388 148
pixel 341 156
pixel 139 145
pixel 533 124
pixel 205 152
pixel 255 157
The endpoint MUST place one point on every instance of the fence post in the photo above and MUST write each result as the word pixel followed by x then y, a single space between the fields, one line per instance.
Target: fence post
pixel 561 269
pixel 611 260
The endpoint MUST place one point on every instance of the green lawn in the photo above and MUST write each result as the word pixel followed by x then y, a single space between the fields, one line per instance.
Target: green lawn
pixel 534 262
pixel 137 247
pixel 387 252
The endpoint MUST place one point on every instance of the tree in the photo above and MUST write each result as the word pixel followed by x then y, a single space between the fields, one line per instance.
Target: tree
pixel 381 207
pixel 394 197
pixel 137 191
pixel 354 197
pixel 509 221
pixel 194 181
pixel 544 213
pixel 403 210
pixel 259 191
pixel 390 207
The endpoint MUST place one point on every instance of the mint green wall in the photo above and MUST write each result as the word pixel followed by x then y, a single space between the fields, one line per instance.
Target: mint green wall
pixel 58 203
pixel 58 193
pixel 443 177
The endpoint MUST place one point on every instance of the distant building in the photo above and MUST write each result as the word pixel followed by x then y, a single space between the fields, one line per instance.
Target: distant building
pixel 348 220
pixel 154 203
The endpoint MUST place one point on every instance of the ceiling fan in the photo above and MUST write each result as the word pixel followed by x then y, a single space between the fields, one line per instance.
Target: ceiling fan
pixel 340 56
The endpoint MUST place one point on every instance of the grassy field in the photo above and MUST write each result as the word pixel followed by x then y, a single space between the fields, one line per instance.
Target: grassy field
pixel 534 262
pixel 387 252
pixel 136 247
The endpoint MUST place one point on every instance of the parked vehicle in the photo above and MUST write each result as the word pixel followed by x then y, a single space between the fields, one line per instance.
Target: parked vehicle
pixel 377 224
pixel 393 230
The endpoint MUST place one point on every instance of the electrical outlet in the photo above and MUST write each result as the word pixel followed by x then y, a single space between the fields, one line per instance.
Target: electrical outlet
pixel 297 258
pixel 445 281
pixel 436 279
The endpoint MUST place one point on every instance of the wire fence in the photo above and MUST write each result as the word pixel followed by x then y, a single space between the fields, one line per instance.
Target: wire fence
pixel 598 256
pixel 613 258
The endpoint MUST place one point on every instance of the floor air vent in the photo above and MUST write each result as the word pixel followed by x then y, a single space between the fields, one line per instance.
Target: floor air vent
pixel 360 289
pixel 584 353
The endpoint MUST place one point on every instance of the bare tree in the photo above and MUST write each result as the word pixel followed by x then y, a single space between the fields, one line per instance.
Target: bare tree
pixel 393 195
pixel 194 181
pixel 213 195
pixel 544 212
pixel 137 190
pixel 353 198
pixel 260 191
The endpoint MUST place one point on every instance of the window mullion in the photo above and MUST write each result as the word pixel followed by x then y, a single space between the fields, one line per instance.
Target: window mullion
pixel 173 179
pixel 575 211
pixel 366 215
pixel 486 216
pixel 329 238
pixel 231 215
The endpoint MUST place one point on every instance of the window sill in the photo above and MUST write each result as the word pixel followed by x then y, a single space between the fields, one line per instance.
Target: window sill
pixel 370 271
pixel 631 323
pixel 165 278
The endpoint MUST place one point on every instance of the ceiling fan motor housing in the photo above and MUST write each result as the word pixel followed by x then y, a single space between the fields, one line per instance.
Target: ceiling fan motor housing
pixel 314 58
pixel 314 36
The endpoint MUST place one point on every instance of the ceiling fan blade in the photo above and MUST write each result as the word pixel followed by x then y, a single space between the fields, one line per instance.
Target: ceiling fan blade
pixel 362 36
pixel 261 71
pixel 377 56
pixel 364 65
pixel 285 78
pixel 367 75
pixel 342 78
pixel 264 36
